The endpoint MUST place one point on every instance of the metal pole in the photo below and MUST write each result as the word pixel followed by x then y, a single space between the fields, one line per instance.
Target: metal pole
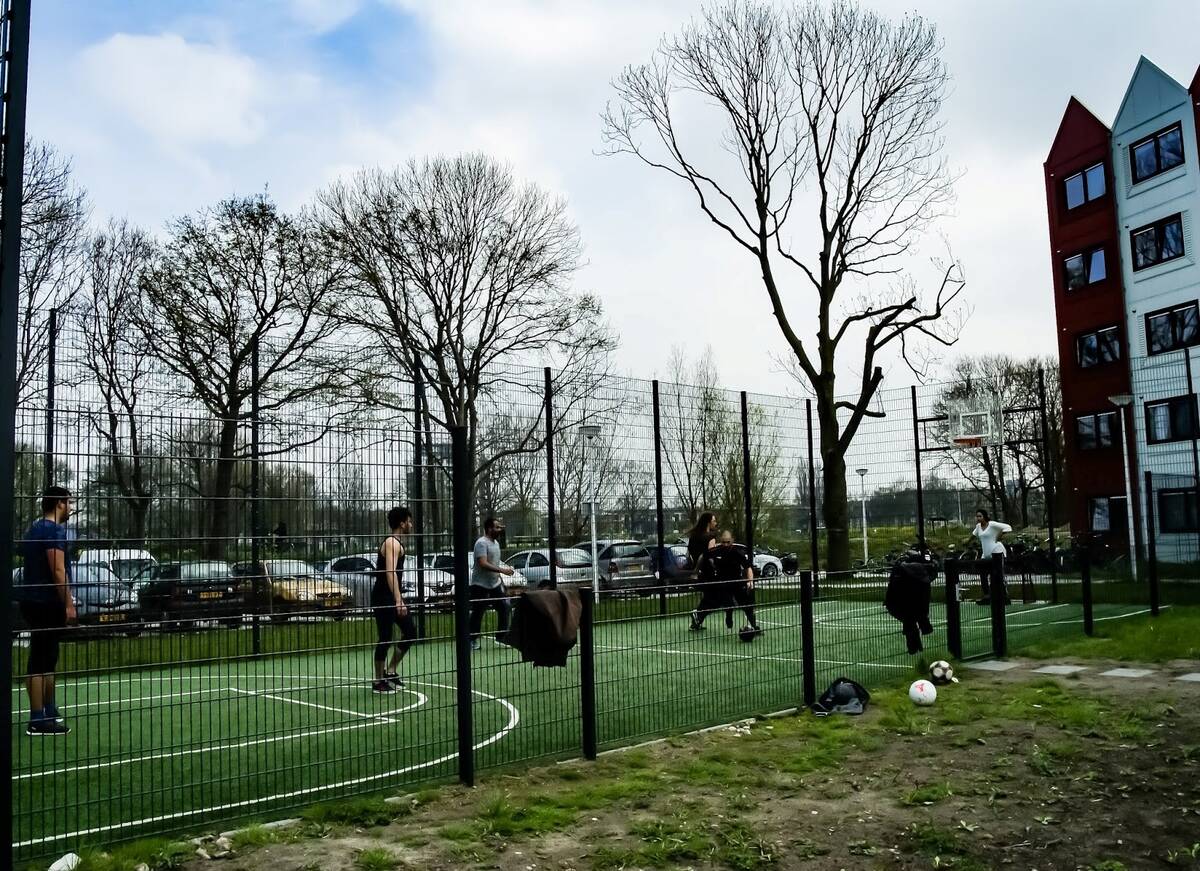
pixel 812 501
pixel 999 600
pixel 808 656
pixel 258 583
pixel 14 48
pixel 48 457
pixel 953 617
pixel 551 521
pixel 747 484
pixel 587 677
pixel 418 499
pixel 917 463
pixel 862 501
pixel 592 512
pixel 462 603
pixel 1129 506
pixel 1085 573
pixel 1151 546
pixel 1048 485
pixel 658 503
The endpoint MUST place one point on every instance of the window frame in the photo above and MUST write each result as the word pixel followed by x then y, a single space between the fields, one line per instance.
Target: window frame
pixel 1087 191
pixel 1171 310
pixel 1155 137
pixel 1097 445
pixel 1194 526
pixel 1115 330
pixel 1158 227
pixel 1174 437
pixel 1091 510
pixel 1087 255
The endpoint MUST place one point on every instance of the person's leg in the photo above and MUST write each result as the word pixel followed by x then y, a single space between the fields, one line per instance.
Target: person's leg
pixel 479 606
pixel 1000 583
pixel 384 620
pixel 503 611
pixel 408 637
pixel 985 583
pixel 744 597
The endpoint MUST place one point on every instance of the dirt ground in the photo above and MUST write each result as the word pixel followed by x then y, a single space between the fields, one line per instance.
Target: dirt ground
pixel 1008 770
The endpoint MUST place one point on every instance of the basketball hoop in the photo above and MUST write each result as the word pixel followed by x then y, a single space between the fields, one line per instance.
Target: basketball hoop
pixel 974 422
pixel 967 441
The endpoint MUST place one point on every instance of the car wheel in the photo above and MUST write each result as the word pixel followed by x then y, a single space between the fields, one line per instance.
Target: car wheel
pixel 770 570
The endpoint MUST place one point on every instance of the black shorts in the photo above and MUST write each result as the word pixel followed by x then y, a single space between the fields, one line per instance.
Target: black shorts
pixel 386 621
pixel 46 621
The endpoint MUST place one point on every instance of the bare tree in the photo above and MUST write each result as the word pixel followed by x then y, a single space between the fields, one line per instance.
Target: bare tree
pixel 239 276
pixel 838 102
pixel 460 273
pixel 54 213
pixel 119 361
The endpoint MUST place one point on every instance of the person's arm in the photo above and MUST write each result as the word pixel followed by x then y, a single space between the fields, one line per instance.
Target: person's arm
pixel 390 560
pixel 482 561
pixel 1001 528
pixel 58 571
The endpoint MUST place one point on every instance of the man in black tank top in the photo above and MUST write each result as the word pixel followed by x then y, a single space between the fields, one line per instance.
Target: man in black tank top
pixel 387 601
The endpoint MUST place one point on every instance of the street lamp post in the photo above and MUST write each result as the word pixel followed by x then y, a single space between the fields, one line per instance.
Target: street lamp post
pixel 862 500
pixel 1123 401
pixel 590 431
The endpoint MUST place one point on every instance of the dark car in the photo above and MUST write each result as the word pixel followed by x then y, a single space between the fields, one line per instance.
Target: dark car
pixel 673 566
pixel 180 593
pixel 103 602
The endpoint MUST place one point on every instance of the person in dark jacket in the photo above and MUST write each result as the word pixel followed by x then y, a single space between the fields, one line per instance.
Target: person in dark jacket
pixel 908 595
pixel 732 573
pixel 702 537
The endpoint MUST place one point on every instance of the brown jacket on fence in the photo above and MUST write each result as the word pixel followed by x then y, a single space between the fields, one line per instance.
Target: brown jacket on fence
pixel 545 626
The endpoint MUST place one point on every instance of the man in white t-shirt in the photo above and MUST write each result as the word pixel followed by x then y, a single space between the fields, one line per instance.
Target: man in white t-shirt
pixel 487 580
pixel 992 552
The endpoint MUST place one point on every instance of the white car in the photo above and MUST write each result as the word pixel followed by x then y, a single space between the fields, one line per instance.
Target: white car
pixel 439 578
pixel 767 566
pixel 357 574
pixel 574 566
pixel 126 564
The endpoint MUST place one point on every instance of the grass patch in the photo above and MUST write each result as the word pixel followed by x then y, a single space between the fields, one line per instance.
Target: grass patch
pixel 1171 635
pixel 358 812
pixel 158 854
pixel 254 836
pixel 931 794
pixel 376 859
pixel 679 842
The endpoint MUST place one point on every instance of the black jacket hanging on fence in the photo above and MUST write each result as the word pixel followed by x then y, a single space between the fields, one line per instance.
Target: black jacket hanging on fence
pixel 545 626
pixel 907 600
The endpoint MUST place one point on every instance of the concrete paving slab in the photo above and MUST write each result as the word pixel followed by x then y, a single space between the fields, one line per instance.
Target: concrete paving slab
pixel 1127 672
pixel 1060 669
pixel 993 665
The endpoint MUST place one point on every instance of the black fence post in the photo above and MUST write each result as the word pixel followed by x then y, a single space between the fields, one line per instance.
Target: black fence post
pixel 462 603
pixel 808 655
pixel 1151 545
pixel 999 609
pixel 659 525
pixel 917 463
pixel 1085 577
pixel 814 549
pixel 51 345
pixel 1048 488
pixel 418 499
pixel 587 674
pixel 551 522
pixel 258 583
pixel 747 483
pixel 14 46
pixel 953 613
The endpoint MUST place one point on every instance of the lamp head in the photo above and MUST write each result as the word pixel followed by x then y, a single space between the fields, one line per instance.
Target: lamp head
pixel 589 430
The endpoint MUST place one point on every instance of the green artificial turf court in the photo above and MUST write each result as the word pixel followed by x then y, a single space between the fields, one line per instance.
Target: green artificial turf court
pixel 197 744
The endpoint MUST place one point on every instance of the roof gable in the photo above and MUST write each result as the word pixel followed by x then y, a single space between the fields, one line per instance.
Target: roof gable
pixel 1078 131
pixel 1150 93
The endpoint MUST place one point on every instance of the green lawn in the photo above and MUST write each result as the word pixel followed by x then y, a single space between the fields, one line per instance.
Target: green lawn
pixel 229 736
pixel 1174 634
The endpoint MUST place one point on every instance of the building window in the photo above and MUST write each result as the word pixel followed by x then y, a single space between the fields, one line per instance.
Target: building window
pixel 1096 430
pixel 1084 269
pixel 1177 511
pixel 1099 515
pixel 1173 328
pixel 1170 420
pixel 1157 242
pixel 1157 153
pixel 1083 187
pixel 1095 349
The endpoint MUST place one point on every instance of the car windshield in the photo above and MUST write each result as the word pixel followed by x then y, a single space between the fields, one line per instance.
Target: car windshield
pixel 127 569
pixel 206 571
pixel 585 546
pixel 289 568
pixel 574 558
pixel 93 574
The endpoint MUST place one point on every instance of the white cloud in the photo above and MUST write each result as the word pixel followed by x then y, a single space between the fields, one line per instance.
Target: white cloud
pixel 178 92
pixel 322 16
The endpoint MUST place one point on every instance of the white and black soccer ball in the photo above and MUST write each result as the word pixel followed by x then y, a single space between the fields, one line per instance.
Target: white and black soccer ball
pixel 922 692
pixel 942 673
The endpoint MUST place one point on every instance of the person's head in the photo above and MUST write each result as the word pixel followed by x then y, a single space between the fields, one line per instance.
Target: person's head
pixel 726 539
pixel 705 523
pixel 981 517
pixel 493 527
pixel 56 503
pixel 400 519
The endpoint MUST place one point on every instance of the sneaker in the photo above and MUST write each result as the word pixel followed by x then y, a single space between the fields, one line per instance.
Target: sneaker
pixel 382 687
pixel 46 728
pixel 696 624
pixel 394 680
pixel 53 714
pixel 728 619
pixel 475 644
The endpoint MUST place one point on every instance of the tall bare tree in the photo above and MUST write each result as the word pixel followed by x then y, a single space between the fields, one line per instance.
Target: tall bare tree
pixel 460 273
pixel 54 213
pixel 830 112
pixel 237 276
pixel 119 361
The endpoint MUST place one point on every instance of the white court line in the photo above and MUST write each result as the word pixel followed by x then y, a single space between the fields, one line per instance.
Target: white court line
pixel 514 717
pixel 378 717
pixel 422 700
pixel 1098 619
pixel 747 656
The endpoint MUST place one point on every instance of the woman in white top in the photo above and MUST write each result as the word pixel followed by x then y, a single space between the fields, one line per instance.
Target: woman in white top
pixel 990 532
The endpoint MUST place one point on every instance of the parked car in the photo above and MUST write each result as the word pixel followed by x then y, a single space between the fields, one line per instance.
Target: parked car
pixel 622 565
pixel 674 568
pixel 182 592
pixel 288 587
pixel 439 580
pixel 357 574
pixel 125 563
pixel 321 566
pixel 103 601
pixel 767 565
pixel 573 566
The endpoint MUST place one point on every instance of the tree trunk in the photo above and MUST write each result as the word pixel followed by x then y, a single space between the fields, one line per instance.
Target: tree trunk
pixel 837 512
pixel 139 510
pixel 213 546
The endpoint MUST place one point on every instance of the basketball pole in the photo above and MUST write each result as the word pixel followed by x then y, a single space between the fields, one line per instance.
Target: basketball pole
pixel 917 460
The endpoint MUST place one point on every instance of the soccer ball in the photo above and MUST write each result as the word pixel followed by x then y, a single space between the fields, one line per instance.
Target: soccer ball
pixel 922 692
pixel 941 673
pixel 747 633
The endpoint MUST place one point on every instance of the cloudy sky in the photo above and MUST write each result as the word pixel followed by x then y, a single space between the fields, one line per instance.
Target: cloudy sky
pixel 168 105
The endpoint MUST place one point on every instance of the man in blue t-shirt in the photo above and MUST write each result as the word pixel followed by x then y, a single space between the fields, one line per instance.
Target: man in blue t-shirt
pixel 47 606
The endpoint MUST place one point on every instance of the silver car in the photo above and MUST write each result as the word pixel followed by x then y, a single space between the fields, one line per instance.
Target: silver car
pixel 574 566
pixel 357 574
pixel 622 565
